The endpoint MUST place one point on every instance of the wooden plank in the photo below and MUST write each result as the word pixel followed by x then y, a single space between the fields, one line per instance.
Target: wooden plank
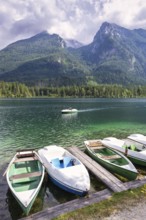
pixel 50 213
pixel 111 157
pixel 29 154
pixel 25 159
pixel 25 150
pixel 24 175
pixel 97 147
pixel 95 143
pixel 100 172
pixel 134 184
pixel 73 205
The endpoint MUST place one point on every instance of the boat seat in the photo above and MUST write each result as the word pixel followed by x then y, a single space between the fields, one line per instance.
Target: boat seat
pixel 25 175
pixel 62 163
pixel 95 143
pixel 130 147
pixel 111 157
pixel 97 147
pixel 68 162
pixel 57 163
pixel 25 159
pixel 133 147
pixel 24 178
pixel 25 155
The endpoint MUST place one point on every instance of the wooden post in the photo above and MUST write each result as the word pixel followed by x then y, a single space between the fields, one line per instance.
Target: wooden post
pixel 126 150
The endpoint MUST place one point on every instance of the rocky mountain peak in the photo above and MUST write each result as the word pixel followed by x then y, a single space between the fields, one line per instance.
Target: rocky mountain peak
pixel 73 43
pixel 107 30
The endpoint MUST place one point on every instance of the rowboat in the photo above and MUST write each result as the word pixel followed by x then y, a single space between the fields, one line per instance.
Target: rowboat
pixel 112 160
pixel 69 111
pixel 65 170
pixel 133 150
pixel 25 175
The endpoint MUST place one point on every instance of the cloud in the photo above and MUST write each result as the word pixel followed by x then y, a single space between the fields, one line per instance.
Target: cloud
pixel 68 18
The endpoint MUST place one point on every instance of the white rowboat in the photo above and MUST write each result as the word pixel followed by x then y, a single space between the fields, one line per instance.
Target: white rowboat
pixel 133 150
pixel 24 176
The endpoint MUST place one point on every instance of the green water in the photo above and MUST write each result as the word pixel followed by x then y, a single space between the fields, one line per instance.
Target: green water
pixel 35 123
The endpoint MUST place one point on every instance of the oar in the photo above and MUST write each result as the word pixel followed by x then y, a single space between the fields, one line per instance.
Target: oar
pixel 6 170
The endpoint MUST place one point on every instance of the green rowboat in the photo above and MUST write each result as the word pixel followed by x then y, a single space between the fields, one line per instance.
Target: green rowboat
pixel 25 175
pixel 110 159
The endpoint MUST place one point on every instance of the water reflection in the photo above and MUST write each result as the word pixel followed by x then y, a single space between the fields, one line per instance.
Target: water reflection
pixel 13 206
pixel 71 116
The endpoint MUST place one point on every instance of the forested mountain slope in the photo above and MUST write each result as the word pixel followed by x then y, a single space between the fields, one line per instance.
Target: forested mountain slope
pixel 116 55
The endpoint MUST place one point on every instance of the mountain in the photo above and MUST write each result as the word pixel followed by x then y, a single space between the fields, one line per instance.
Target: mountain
pixel 73 43
pixel 42 58
pixel 116 55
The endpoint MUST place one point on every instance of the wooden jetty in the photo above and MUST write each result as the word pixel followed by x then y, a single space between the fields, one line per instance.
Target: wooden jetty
pixel 113 184
pixel 73 205
pixel 101 173
pixel 55 211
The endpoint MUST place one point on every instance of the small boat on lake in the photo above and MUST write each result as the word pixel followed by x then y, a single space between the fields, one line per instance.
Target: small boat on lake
pixel 65 170
pixel 133 150
pixel 25 175
pixel 69 111
pixel 113 160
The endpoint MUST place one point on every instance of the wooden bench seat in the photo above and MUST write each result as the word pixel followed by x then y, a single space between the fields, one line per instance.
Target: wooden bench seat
pixel 25 175
pixel 97 147
pixel 94 143
pixel 29 154
pixel 111 157
pixel 25 159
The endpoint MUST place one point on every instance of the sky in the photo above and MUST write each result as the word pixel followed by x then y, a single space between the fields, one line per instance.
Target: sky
pixel 71 19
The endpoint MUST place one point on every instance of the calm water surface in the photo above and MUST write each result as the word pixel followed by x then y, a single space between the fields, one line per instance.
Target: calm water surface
pixel 35 123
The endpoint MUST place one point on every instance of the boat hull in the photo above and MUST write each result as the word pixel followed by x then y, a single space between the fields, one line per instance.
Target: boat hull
pixel 67 188
pixel 69 111
pixel 130 175
pixel 137 161
pixel 27 209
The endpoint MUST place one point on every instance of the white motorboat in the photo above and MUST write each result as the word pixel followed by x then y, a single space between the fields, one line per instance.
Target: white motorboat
pixel 69 111
pixel 65 170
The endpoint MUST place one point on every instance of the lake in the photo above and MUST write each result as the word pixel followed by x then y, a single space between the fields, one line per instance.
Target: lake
pixel 35 123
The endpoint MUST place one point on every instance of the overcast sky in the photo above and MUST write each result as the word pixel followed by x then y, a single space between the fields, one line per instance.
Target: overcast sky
pixel 76 19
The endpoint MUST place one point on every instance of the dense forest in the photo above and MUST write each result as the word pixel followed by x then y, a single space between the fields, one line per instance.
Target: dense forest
pixel 19 90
